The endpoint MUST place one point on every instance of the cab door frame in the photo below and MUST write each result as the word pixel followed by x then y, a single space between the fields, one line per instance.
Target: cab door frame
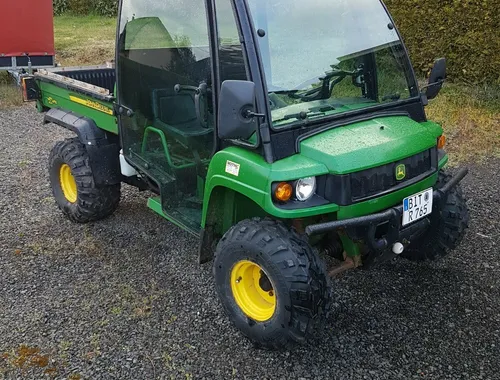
pixel 253 57
pixel 123 111
pixel 254 63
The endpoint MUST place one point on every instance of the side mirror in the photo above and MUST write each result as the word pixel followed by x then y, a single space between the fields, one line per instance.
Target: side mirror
pixel 236 105
pixel 436 79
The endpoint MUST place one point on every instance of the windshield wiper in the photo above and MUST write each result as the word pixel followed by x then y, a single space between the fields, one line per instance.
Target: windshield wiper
pixel 303 115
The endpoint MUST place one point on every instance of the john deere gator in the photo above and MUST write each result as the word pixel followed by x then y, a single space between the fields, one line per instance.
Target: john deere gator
pixel 279 134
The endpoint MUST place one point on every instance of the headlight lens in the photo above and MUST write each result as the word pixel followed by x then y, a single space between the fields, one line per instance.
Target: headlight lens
pixel 305 188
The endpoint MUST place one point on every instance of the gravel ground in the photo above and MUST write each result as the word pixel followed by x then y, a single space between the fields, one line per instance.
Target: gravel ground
pixel 125 298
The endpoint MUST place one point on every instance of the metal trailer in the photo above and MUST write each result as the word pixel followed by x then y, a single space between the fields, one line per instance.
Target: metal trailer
pixel 27 35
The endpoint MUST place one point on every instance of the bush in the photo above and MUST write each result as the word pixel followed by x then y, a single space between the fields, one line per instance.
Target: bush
pixel 463 31
pixel 60 6
pixel 107 8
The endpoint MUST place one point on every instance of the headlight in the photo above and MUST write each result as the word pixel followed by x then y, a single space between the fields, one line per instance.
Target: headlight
pixel 305 188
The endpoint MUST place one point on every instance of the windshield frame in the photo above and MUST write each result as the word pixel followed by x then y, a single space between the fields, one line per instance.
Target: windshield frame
pixel 413 105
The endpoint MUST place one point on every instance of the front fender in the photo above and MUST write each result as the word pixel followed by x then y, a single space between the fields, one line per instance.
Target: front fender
pixel 247 173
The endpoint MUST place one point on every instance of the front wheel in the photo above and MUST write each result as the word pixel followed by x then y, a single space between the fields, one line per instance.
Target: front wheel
pixel 271 283
pixel 73 184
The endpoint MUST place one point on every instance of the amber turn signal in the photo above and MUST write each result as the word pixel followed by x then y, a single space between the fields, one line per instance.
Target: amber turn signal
pixel 24 90
pixel 441 141
pixel 283 192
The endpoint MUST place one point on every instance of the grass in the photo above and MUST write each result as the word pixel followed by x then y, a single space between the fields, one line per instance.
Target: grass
pixel 10 95
pixel 470 115
pixel 87 40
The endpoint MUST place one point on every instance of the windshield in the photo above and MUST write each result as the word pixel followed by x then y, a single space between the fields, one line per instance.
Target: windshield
pixel 325 57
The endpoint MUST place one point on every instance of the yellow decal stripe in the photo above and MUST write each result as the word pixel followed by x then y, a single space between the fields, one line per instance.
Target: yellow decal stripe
pixel 91 104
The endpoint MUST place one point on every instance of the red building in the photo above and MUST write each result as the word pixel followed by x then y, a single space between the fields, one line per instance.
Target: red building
pixel 26 33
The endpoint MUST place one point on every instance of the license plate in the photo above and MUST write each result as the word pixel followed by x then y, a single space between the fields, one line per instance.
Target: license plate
pixel 417 206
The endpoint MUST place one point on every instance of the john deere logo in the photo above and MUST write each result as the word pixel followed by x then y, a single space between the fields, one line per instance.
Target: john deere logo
pixel 400 172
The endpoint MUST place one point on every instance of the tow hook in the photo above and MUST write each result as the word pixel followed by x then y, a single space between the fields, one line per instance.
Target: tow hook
pixel 398 248
pixel 348 263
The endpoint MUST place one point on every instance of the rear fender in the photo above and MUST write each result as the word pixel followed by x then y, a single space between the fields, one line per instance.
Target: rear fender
pixel 103 148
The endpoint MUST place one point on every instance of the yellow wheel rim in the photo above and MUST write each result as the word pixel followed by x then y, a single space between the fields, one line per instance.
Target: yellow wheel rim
pixel 68 183
pixel 253 291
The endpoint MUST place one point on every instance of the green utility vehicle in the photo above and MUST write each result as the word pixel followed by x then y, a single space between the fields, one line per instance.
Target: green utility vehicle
pixel 280 134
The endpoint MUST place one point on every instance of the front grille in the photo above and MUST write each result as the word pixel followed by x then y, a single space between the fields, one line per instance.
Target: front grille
pixel 371 182
pixel 346 189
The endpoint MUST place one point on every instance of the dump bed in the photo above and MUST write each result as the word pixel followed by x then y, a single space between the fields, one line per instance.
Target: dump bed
pixel 86 91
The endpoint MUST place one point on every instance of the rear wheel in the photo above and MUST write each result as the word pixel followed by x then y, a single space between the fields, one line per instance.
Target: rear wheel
pixel 447 229
pixel 73 184
pixel 272 285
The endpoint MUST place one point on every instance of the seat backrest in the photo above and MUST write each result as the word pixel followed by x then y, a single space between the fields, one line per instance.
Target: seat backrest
pixel 173 108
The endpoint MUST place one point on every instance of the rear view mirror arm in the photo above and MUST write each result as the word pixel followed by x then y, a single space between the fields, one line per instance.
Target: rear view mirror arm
pixel 438 83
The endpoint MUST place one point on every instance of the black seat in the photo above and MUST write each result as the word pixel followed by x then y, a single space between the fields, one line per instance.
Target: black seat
pixel 175 114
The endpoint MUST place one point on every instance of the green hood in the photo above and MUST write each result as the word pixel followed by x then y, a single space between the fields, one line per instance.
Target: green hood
pixel 370 143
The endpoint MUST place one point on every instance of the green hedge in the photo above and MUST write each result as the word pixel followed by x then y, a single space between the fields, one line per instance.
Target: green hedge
pixel 106 8
pixel 466 32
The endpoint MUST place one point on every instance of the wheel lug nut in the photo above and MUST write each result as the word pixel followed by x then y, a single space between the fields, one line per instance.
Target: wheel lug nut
pixel 238 280
pixel 271 293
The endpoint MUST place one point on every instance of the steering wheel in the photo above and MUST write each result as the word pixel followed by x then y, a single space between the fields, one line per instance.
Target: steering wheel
pixel 324 91
pixel 199 92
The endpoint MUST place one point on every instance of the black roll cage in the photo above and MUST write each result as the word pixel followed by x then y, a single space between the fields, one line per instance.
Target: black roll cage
pixel 267 137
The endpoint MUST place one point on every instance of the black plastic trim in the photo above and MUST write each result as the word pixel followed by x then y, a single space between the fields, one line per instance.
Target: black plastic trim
pixel 433 167
pixel 295 204
pixel 440 154
pixel 257 74
pixel 214 48
pixel 338 188
pixel 32 90
pixel 103 149
pixel 391 215
pixel 118 101
pixel 412 106
pixel 398 187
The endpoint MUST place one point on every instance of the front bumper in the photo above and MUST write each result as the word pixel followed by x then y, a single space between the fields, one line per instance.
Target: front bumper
pixel 365 227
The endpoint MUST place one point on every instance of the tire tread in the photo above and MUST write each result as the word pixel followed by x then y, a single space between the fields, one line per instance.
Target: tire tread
pixel 302 268
pixel 93 203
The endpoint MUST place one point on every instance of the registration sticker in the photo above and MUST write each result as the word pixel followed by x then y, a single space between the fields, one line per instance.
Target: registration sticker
pixel 233 168
pixel 417 206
